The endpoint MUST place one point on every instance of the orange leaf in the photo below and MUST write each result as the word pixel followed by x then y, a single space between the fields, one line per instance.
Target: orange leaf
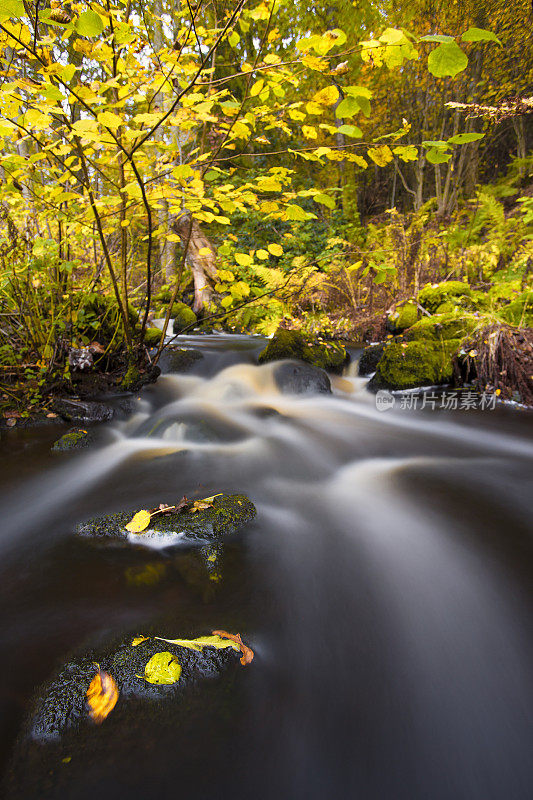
pixel 102 696
pixel 247 652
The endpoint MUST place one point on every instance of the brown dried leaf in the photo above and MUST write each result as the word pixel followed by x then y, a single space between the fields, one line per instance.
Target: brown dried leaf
pixel 247 652
pixel 102 696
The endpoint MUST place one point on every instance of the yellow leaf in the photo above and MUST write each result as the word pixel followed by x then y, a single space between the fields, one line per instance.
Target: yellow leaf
pixel 102 696
pixel 262 254
pixel 162 669
pixel 327 96
pixel 139 523
pixel 275 249
pixel 139 640
pixel 109 120
pixel 381 155
pixel 257 87
pixel 205 251
pixel 308 132
pixel 202 641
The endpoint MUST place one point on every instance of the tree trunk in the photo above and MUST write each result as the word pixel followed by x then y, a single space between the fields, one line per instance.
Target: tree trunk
pixel 203 265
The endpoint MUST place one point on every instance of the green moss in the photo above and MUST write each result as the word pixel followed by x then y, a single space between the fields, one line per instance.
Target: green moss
pixel 152 337
pixel 183 316
pixel 420 363
pixel 164 295
pixel 227 514
pixel 294 345
pixel 131 378
pixel 434 295
pixel 442 327
pixel 519 311
pixel 403 317
pixel 75 439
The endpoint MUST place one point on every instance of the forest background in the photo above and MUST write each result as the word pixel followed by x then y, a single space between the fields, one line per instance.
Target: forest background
pixel 246 166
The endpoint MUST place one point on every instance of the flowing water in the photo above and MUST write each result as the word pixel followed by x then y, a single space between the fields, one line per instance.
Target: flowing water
pixel 385 586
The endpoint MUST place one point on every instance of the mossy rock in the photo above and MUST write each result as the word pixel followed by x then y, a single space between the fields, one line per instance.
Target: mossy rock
pixel 407 365
pixel 294 345
pixel 62 703
pixel 434 295
pixel 152 337
pixel 183 316
pixel 74 439
pixel 164 295
pixel 519 311
pixel 442 327
pixel 403 317
pixel 227 515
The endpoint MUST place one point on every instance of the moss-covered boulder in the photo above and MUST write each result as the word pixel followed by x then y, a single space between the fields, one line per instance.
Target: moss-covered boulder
pixel 434 295
pixel 408 365
pixel 62 703
pixel 74 439
pixel 441 327
pixel 152 337
pixel 295 345
pixel 226 515
pixel 404 315
pixel 183 316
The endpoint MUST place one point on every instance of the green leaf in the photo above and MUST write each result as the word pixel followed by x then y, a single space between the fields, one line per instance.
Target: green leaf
pixel 352 105
pixel 90 24
pixel 325 200
pixel 447 59
pixel 437 156
pixel 465 138
pixel 202 641
pixel 350 130
pixel 295 212
pixel 437 37
pixel 479 35
pixel 406 152
pixel 163 669
pixel 11 8
pixel 234 38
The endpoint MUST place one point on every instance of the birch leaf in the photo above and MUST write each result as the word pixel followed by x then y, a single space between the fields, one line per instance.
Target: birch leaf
pixel 102 696
pixel 139 523
pixel 163 669
pixel 201 642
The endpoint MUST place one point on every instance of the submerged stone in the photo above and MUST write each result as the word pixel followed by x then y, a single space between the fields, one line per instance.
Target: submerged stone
pixel 74 439
pixel 295 345
pixel 178 359
pixel 294 378
pixel 227 515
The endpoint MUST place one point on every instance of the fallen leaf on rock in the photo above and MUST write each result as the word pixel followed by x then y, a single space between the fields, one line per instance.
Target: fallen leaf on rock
pixel 139 640
pixel 102 696
pixel 163 669
pixel 247 652
pixel 139 523
pixel 207 502
pixel 201 642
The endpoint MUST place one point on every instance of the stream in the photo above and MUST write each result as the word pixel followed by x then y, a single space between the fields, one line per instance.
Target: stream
pixel 385 587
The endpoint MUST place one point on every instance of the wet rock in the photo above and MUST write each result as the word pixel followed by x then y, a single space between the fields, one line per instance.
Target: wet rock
pixel 294 378
pixel 74 439
pixel 83 410
pixel 227 515
pixel 294 345
pixel 178 359
pixel 62 703
pixel 369 359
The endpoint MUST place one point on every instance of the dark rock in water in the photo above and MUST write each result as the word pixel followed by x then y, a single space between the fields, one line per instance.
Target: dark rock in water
pixel 227 514
pixel 294 378
pixel 295 345
pixel 178 359
pixel 62 703
pixel 83 410
pixel 74 439
pixel 370 358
